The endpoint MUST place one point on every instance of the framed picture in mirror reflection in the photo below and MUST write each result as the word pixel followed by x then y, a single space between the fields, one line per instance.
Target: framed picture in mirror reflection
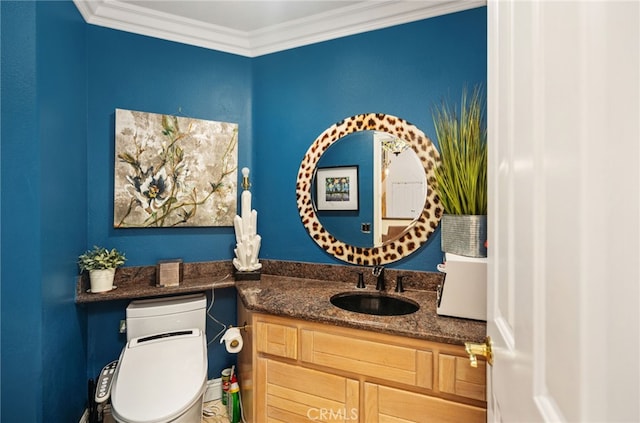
pixel 337 188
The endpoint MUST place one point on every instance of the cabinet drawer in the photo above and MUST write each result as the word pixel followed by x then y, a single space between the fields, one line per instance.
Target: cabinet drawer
pixel 383 361
pixel 456 376
pixel 277 339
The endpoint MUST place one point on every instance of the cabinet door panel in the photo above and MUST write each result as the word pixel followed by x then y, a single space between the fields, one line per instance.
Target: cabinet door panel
pixel 456 376
pixel 279 415
pixel 293 394
pixel 384 404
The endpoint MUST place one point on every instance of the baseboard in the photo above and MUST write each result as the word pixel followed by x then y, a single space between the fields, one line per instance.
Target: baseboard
pixel 213 391
pixel 85 416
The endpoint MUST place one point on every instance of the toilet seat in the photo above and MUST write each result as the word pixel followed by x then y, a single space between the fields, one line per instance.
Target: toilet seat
pixel 159 376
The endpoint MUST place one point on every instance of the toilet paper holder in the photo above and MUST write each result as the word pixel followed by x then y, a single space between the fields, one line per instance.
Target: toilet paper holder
pixel 243 327
pixel 233 338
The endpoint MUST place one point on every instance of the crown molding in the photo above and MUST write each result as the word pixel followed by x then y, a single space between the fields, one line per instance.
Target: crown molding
pixel 139 20
pixel 340 22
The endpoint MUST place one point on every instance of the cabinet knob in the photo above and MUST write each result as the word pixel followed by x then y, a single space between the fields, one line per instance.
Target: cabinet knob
pixel 475 349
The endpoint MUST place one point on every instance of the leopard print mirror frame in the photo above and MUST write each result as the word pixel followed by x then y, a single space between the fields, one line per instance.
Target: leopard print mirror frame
pixel 415 235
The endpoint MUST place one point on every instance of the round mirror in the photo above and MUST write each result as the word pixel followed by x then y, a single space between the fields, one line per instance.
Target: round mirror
pixel 390 188
pixel 365 189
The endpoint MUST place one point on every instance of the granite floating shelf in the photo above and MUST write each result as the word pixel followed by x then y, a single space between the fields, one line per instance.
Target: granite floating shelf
pixel 140 282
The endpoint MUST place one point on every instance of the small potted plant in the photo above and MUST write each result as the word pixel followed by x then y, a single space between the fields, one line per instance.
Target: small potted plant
pixel 101 265
pixel 461 176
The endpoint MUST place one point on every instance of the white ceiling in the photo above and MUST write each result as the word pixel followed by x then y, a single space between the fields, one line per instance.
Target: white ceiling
pixel 255 28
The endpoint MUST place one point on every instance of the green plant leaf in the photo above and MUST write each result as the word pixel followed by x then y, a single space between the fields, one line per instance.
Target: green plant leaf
pixel 461 176
pixel 100 258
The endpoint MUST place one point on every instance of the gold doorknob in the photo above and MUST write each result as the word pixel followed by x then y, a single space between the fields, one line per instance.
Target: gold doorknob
pixel 475 349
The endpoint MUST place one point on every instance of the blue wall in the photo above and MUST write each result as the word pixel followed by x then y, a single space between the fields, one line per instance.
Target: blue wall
pixel 134 72
pixel 21 284
pixel 44 212
pixel 61 81
pixel 298 93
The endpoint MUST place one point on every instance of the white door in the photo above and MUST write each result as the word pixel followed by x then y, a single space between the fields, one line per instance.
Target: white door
pixel 564 215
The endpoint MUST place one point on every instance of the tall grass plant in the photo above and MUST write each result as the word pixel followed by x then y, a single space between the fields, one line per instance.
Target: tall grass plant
pixel 462 136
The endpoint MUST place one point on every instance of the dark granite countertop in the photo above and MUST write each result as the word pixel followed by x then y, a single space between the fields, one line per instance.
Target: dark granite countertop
pixel 302 290
pixel 308 299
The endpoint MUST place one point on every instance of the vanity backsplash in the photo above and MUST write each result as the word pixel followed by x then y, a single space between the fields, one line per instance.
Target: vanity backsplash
pixel 140 281
pixel 427 281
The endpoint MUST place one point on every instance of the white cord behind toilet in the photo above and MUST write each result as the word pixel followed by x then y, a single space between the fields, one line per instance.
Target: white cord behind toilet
pixel 224 327
pixel 223 330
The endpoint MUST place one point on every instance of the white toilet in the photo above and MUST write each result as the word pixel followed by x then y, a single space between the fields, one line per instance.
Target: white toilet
pixel 161 376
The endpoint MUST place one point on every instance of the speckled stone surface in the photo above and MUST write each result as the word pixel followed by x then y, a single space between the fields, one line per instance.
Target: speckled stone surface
pixel 340 273
pixel 308 299
pixel 140 282
pixel 303 290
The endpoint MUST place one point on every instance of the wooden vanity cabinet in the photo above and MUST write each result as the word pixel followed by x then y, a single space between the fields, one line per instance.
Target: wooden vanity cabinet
pixel 300 371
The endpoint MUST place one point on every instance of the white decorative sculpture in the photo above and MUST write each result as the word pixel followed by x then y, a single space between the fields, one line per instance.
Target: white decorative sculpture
pixel 247 240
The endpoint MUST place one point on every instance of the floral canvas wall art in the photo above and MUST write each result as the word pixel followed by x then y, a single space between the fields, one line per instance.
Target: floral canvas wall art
pixel 173 171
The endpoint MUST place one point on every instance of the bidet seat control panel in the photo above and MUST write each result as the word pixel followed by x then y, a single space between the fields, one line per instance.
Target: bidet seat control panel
pixel 103 386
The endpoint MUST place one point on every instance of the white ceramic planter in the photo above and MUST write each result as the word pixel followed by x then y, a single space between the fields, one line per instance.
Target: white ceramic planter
pixel 101 280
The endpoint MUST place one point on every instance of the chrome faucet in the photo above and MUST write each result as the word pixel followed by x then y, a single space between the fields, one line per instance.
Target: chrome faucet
pixel 378 272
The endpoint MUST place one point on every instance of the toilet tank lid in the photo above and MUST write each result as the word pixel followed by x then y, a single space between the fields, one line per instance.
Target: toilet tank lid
pixel 160 376
pixel 169 305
